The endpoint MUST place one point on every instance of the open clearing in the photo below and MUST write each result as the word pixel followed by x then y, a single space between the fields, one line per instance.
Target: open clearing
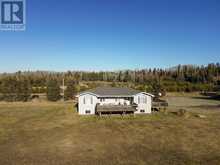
pixel 52 133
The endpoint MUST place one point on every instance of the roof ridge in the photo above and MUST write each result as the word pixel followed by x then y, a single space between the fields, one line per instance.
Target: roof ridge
pixel 112 91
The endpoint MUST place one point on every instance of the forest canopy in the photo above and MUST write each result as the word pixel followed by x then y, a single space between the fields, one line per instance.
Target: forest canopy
pixel 186 78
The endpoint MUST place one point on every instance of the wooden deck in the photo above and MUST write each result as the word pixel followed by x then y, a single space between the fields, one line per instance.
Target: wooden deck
pixel 123 109
pixel 159 104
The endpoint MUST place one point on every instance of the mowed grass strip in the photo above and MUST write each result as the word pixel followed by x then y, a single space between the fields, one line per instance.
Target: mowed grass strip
pixel 53 133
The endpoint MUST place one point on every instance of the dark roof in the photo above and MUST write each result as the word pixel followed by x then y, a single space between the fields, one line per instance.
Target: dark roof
pixel 112 91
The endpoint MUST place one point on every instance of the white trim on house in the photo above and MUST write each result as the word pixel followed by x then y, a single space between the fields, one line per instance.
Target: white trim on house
pixel 145 94
pixel 114 95
pixel 84 93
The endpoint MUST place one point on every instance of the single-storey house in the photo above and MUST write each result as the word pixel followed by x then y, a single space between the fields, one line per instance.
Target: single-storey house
pixel 111 100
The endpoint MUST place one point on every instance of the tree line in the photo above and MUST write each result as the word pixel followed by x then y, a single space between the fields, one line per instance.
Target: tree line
pixel 20 86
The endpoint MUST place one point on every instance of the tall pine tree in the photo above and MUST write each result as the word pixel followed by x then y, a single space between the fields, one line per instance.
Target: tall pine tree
pixel 71 90
pixel 53 90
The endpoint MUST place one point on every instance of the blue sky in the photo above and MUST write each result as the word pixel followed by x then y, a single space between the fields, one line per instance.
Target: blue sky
pixel 113 34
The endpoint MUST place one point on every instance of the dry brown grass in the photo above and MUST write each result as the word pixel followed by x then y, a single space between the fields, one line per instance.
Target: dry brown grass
pixel 52 133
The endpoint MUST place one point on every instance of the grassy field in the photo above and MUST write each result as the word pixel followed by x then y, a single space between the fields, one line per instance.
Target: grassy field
pixel 52 133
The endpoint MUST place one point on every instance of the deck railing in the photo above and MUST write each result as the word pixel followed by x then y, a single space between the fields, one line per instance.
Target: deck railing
pixel 159 104
pixel 110 107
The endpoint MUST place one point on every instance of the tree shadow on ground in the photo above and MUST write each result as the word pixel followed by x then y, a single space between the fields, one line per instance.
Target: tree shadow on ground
pixel 209 96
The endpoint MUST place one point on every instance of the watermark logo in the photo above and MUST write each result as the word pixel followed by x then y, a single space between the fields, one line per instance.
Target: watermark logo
pixel 12 15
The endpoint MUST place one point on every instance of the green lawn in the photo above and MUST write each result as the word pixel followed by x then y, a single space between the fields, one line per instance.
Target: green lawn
pixel 52 133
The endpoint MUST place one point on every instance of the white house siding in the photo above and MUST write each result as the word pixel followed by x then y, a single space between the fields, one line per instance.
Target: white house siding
pixel 144 103
pixel 87 104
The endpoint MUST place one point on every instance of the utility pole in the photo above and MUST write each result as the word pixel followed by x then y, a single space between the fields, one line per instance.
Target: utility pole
pixel 63 88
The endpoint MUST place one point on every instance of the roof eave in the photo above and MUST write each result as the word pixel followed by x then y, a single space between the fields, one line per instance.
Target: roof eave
pixel 145 94
pixel 91 93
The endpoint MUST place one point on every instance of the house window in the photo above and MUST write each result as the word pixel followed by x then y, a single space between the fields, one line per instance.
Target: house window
pixel 91 100
pixel 142 110
pixel 84 100
pixel 88 111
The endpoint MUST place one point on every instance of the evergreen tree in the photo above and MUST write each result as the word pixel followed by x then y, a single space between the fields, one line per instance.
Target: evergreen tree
pixel 71 90
pixel 53 90
pixel 17 86
pixel 8 88
pixel 23 90
pixel 26 89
